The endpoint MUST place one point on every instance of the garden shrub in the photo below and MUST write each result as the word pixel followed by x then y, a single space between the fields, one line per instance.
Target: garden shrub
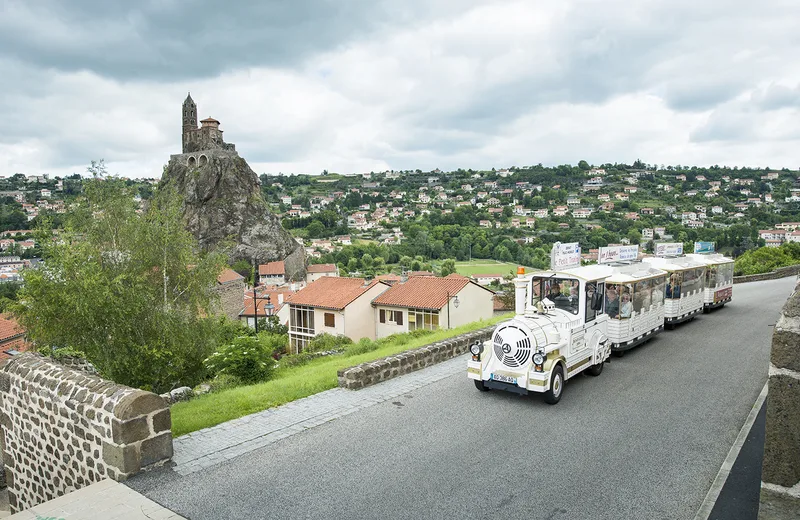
pixel 274 343
pixel 224 382
pixel 246 358
pixel 327 342
pixel 364 345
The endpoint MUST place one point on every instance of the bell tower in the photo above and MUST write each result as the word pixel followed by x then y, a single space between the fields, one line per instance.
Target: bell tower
pixel 189 121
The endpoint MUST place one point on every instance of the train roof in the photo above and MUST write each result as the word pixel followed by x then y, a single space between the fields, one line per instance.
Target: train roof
pixel 673 263
pixel 711 258
pixel 633 272
pixel 586 272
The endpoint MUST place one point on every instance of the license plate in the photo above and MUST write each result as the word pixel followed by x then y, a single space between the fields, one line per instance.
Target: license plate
pixel 504 379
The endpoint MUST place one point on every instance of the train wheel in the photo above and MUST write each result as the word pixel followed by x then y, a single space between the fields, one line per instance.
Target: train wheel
pixel 480 386
pixel 595 370
pixel 553 395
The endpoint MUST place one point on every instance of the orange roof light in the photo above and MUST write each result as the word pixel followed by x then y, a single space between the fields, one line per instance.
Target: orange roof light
pixel 520 270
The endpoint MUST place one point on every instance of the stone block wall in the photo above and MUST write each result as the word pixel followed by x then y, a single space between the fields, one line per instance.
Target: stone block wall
pixel 231 298
pixel 373 372
pixel 780 475
pixel 63 429
pixel 781 272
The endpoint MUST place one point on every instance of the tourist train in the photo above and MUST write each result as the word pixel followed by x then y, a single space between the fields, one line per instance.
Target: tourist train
pixel 571 318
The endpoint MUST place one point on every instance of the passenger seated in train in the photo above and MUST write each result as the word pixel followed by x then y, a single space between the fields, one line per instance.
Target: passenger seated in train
pixel 626 307
pixel 673 287
pixel 612 303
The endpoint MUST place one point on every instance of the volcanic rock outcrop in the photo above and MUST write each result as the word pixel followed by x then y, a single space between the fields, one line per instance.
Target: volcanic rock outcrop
pixel 222 199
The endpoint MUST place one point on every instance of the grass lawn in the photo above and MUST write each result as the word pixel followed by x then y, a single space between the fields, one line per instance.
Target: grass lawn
pixel 291 384
pixel 487 267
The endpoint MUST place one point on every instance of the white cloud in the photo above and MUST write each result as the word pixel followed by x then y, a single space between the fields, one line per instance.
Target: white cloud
pixel 449 85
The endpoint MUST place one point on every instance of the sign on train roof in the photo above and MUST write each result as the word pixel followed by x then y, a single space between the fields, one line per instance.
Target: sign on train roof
pixel 669 249
pixel 704 247
pixel 564 256
pixel 610 254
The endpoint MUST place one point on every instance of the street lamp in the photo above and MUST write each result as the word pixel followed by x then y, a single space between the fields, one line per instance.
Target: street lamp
pixel 267 308
pixel 456 303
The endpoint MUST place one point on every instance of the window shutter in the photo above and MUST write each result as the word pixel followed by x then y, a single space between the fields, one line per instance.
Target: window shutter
pixel 399 315
pixel 383 316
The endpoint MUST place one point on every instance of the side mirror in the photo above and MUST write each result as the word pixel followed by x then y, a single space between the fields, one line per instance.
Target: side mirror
pixel 597 302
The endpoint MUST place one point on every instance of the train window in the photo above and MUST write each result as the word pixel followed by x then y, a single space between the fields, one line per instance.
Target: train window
pixel 642 296
pixel 594 300
pixel 711 275
pixel 563 292
pixel 657 295
pixel 618 301
pixel 692 280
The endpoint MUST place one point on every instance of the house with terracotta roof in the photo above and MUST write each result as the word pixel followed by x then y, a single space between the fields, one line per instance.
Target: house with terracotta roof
pixel 229 288
pixel 317 271
pixel 12 338
pixel 338 306
pixel 432 303
pixel 270 301
pixel 272 273
pixel 389 278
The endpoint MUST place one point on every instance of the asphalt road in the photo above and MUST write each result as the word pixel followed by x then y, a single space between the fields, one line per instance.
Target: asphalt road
pixel 643 440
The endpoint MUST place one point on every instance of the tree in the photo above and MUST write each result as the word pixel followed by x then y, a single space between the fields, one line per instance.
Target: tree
pixel 366 261
pixel 316 229
pixel 448 267
pixel 131 291
pixel 583 165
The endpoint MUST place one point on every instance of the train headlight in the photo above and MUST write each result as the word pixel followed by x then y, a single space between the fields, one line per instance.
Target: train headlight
pixel 538 358
pixel 476 349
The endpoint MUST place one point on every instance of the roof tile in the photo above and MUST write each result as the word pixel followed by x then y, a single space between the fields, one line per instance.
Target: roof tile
pixel 424 292
pixel 330 292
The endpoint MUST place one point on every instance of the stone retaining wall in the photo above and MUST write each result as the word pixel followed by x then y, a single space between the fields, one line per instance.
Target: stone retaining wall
pixel 373 372
pixel 62 429
pixel 780 475
pixel 781 272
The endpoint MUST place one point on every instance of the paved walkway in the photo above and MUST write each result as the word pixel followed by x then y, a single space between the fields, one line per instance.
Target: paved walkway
pixel 108 500
pixel 208 447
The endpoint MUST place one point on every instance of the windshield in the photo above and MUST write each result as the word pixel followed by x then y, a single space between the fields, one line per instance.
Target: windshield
pixel 563 292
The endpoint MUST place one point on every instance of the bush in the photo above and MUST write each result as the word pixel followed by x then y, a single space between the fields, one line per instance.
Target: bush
pixel 272 324
pixel 224 382
pixel 766 259
pixel 363 346
pixel 295 360
pixel 66 352
pixel 327 342
pixel 274 343
pixel 246 358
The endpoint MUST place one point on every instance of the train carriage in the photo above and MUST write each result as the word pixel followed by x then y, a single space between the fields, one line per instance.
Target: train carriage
pixel 718 280
pixel 635 304
pixel 684 291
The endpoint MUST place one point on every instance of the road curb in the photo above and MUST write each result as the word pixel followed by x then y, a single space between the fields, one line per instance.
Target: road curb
pixel 713 493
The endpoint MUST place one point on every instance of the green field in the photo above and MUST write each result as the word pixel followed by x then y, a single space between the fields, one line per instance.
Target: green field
pixel 487 267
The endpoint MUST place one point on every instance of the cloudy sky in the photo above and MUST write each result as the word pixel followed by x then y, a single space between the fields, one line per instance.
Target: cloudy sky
pixel 360 85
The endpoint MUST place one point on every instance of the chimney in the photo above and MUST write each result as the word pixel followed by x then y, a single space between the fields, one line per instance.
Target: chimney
pixel 280 298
